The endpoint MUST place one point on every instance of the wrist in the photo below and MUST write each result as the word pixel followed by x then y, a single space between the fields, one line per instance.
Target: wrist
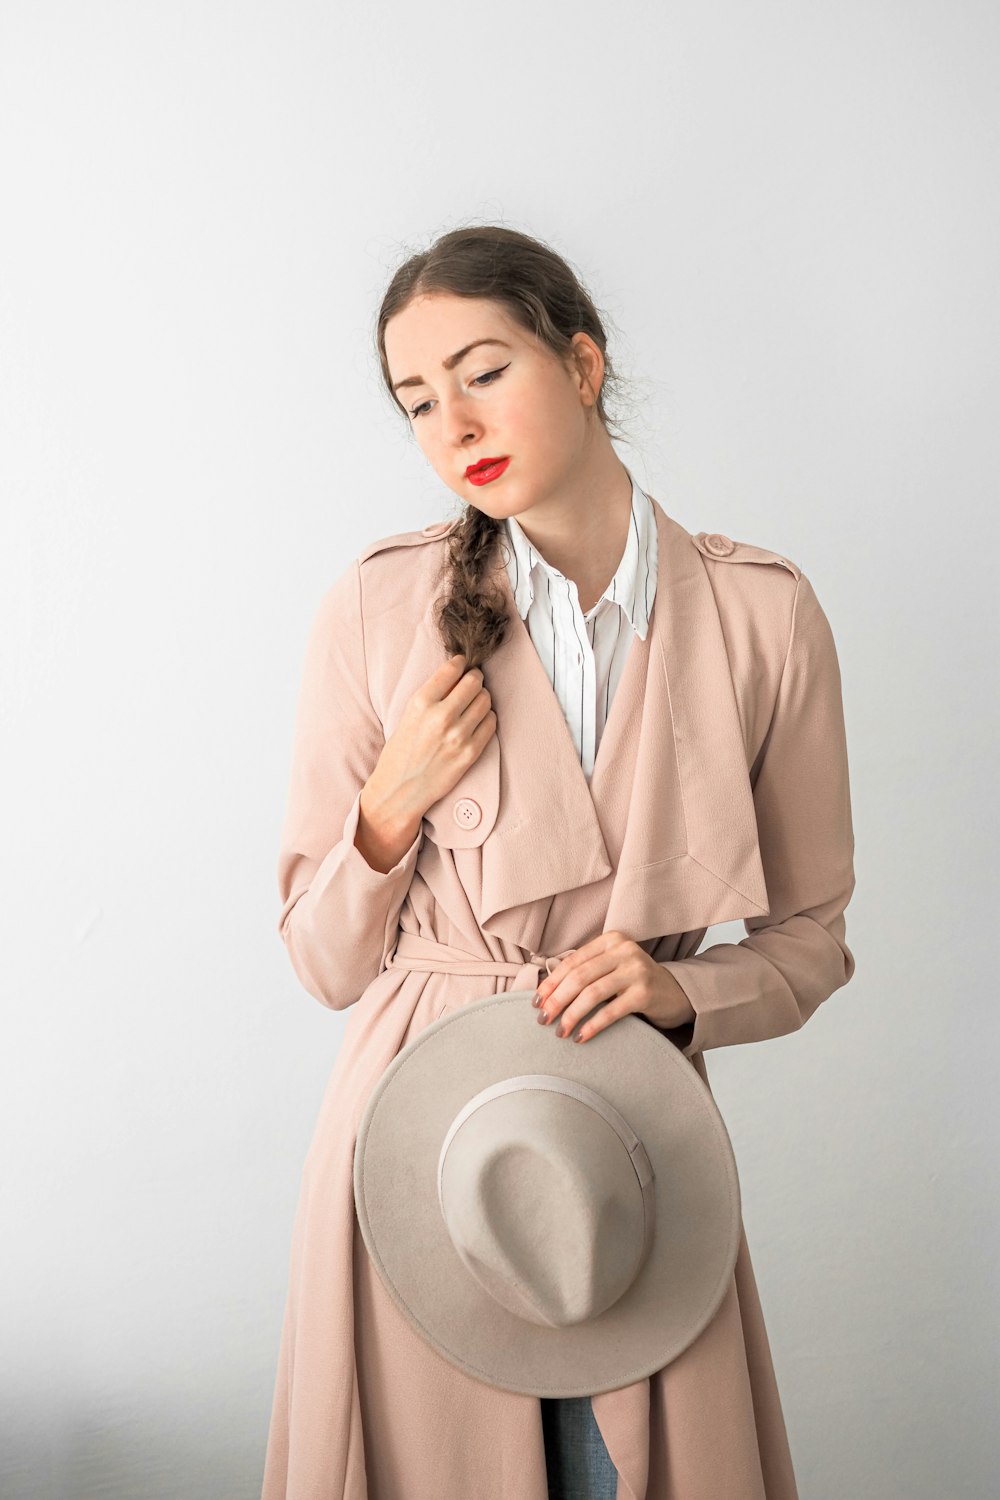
pixel 674 1009
pixel 389 821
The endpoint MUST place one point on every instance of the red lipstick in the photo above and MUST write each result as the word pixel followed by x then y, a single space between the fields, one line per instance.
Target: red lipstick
pixel 485 470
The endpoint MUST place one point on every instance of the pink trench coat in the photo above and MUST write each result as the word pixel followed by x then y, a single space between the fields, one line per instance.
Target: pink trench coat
pixel 720 791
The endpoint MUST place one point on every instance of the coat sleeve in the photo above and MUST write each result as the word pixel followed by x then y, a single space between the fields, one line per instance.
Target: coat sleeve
pixel 772 981
pixel 338 915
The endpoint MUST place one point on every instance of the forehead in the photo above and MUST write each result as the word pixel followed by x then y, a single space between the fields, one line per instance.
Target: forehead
pixel 434 326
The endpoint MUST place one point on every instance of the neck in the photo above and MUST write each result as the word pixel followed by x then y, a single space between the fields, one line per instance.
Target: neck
pixel 584 534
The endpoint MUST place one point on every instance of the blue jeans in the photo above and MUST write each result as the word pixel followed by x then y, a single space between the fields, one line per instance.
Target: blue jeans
pixel 577 1461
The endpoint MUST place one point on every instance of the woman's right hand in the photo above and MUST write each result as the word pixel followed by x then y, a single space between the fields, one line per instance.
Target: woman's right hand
pixel 443 730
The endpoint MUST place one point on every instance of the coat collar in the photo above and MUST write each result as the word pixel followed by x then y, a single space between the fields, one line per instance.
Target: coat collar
pixel 668 816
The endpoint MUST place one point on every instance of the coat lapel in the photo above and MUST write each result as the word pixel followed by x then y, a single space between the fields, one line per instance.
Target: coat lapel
pixel 547 837
pixel 676 784
pixel 668 817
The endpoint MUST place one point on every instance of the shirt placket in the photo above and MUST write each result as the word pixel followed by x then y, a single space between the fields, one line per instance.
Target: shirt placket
pixel 579 666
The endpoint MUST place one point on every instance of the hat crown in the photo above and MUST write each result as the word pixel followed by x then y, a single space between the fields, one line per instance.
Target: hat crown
pixel 547 1196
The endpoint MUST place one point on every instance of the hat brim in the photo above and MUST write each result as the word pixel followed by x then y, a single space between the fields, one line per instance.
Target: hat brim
pixel 682 1281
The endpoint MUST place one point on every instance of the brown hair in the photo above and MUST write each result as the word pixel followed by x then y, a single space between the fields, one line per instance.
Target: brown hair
pixel 542 294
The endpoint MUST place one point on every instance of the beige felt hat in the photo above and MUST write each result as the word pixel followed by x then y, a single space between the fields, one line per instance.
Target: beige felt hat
pixel 556 1220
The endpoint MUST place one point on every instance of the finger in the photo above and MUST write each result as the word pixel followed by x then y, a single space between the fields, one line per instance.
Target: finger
pixel 621 983
pixel 605 1017
pixel 605 988
pixel 604 954
pixel 558 990
pixel 570 965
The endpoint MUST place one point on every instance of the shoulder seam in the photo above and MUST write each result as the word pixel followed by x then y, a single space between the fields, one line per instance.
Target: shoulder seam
pixel 791 630
pixel 364 645
pixel 793 619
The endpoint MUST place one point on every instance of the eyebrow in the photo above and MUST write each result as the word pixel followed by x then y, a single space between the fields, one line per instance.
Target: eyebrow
pixel 451 361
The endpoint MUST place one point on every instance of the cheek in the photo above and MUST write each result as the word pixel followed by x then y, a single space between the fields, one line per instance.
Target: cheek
pixel 510 412
pixel 530 419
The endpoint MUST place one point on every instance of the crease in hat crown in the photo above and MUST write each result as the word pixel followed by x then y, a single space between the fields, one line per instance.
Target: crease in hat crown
pixel 547 1195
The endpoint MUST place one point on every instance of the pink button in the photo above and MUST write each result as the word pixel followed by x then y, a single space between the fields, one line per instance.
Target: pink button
pixel 467 813
pixel 719 544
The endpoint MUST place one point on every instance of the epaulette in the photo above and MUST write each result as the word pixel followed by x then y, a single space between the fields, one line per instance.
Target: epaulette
pixel 407 538
pixel 724 549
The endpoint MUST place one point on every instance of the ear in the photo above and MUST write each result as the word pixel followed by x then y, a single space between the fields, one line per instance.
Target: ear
pixel 589 363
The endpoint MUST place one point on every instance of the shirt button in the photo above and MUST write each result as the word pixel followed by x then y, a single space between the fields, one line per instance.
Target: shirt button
pixel 719 544
pixel 467 813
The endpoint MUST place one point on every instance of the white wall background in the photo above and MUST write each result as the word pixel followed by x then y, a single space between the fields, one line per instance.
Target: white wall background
pixel 789 215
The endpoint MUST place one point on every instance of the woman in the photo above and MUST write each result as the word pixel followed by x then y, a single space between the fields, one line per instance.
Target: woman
pixel 545 745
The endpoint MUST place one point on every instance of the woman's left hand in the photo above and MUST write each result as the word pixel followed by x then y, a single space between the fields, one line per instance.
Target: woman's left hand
pixel 612 969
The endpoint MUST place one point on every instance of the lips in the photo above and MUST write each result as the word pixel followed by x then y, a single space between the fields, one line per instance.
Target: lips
pixel 485 470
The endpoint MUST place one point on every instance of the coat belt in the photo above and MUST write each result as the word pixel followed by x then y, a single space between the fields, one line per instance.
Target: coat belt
pixel 415 952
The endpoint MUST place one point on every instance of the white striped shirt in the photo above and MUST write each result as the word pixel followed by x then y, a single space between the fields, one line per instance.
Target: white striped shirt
pixel 584 654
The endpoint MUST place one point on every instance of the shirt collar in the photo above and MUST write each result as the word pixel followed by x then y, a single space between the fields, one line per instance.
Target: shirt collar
pixel 634 584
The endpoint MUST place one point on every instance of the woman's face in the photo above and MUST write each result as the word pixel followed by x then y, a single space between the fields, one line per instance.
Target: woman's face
pixel 509 398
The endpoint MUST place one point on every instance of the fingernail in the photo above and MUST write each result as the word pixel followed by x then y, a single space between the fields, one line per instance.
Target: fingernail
pixel 537 999
pixel 542 1019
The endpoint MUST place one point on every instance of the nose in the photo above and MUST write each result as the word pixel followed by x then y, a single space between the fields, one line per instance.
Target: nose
pixel 460 426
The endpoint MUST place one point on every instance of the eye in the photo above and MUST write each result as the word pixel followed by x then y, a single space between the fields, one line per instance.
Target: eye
pixel 489 378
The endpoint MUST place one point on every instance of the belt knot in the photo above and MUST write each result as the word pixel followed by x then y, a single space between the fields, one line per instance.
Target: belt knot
pixel 540 960
pixel 415 952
